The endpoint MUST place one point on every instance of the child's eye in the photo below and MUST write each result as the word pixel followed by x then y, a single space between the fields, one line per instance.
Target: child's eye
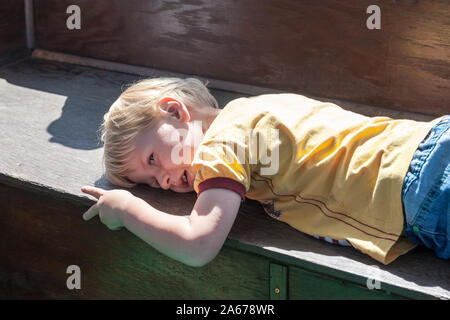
pixel 151 159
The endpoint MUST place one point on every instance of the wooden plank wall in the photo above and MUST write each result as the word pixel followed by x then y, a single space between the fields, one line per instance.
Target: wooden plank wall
pixel 119 265
pixel 114 265
pixel 12 31
pixel 321 48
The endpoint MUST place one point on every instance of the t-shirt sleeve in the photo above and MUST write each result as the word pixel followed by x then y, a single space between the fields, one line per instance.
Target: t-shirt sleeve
pixel 221 164
pixel 225 183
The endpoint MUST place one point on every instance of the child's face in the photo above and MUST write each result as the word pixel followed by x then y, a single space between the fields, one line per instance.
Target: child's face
pixel 163 155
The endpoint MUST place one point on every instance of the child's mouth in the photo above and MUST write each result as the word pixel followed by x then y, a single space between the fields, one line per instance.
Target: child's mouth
pixel 185 178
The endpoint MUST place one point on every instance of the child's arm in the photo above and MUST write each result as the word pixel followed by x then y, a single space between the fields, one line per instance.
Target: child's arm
pixel 194 240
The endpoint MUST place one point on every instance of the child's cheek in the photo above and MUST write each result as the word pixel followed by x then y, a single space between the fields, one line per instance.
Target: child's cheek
pixel 179 155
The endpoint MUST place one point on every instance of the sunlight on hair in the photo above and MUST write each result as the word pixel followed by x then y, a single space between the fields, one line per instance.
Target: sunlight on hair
pixel 136 110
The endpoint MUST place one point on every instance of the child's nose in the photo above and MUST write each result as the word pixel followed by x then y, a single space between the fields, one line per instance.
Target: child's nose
pixel 164 181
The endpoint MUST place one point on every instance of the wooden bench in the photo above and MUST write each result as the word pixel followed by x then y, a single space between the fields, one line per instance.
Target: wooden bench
pixel 51 106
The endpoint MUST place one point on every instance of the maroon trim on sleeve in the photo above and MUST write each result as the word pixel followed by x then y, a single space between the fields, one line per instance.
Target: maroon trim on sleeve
pixel 225 183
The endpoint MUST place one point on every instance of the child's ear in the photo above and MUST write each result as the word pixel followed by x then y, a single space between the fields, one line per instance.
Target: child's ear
pixel 174 108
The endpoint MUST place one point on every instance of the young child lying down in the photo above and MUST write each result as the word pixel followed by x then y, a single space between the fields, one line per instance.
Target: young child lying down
pixel 377 184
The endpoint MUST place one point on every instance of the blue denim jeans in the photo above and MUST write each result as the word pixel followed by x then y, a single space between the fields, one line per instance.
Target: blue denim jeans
pixel 426 192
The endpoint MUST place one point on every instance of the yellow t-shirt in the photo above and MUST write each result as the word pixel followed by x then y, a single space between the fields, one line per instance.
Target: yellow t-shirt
pixel 325 171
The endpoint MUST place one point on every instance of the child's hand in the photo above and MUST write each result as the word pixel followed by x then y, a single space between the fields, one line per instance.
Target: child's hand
pixel 111 206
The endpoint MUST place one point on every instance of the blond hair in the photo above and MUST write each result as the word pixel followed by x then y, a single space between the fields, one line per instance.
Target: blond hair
pixel 135 110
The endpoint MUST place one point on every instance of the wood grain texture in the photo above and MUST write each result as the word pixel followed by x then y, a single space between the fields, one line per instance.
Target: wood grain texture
pixel 12 31
pixel 312 286
pixel 41 236
pixel 50 114
pixel 321 48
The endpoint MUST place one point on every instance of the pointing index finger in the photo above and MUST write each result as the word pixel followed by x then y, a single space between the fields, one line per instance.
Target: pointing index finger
pixel 93 191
